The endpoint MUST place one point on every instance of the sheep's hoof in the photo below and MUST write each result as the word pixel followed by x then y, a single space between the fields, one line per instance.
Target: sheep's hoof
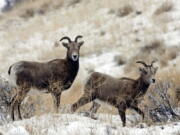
pixel 94 117
pixel 86 114
pixel 89 114
pixel 72 109
pixel 56 110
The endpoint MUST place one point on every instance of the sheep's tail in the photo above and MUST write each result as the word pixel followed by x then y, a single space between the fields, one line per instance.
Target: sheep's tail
pixel 9 71
pixel 12 75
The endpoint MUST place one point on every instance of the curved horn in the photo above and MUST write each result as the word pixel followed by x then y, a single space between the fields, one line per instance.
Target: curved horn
pixel 141 62
pixel 66 38
pixel 152 62
pixel 77 37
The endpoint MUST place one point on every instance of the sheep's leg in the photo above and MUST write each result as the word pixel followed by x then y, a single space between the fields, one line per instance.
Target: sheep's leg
pixel 12 111
pixel 16 101
pixel 122 113
pixel 138 110
pixel 82 101
pixel 56 90
pixel 13 105
pixel 94 107
pixel 19 111
pixel 21 95
pixel 56 100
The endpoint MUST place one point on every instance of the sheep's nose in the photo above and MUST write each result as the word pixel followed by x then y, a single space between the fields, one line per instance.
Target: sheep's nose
pixel 153 80
pixel 75 56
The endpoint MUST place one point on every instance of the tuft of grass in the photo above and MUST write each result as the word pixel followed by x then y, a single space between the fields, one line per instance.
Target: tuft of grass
pixel 73 2
pixel 120 60
pixel 156 44
pixel 165 7
pixel 124 11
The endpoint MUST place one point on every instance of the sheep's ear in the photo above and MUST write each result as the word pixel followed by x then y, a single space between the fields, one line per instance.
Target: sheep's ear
pixel 141 69
pixel 81 43
pixel 156 69
pixel 65 44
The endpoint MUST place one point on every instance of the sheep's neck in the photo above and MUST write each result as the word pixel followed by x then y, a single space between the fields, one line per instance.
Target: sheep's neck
pixel 73 68
pixel 141 87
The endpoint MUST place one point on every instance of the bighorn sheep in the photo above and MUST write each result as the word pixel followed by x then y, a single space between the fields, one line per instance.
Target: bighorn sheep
pixel 122 93
pixel 55 76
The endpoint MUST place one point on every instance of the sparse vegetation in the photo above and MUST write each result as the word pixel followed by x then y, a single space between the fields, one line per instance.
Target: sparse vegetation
pixel 124 11
pixel 119 60
pixel 165 7
pixel 156 50
pixel 114 35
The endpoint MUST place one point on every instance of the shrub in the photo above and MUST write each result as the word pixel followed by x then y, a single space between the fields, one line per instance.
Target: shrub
pixel 165 7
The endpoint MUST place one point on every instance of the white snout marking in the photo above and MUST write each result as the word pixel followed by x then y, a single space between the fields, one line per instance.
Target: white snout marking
pixel 151 80
pixel 75 56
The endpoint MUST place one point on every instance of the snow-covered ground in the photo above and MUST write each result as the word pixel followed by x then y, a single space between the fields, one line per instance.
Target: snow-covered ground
pixel 74 124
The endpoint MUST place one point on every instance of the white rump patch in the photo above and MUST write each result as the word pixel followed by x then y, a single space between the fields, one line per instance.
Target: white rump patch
pixel 13 77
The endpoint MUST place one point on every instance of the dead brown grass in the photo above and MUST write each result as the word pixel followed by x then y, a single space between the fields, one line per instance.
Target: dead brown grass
pixel 165 7
pixel 32 7
pixel 155 50
pixel 124 11
pixel 120 60
pixel 171 78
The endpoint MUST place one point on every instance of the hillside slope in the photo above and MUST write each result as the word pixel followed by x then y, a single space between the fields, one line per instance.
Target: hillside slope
pixel 116 33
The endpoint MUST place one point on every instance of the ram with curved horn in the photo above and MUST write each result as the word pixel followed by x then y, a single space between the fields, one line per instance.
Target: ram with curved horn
pixel 53 76
pixel 76 39
pixel 143 63
pixel 154 61
pixel 122 93
pixel 67 38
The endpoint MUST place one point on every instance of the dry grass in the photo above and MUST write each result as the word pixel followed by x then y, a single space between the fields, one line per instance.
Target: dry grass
pixel 124 11
pixel 32 7
pixel 102 32
pixel 155 50
pixel 165 7
pixel 120 60
pixel 172 76
pixel 171 79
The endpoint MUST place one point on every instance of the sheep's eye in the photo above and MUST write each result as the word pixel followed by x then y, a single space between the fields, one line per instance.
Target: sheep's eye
pixel 145 72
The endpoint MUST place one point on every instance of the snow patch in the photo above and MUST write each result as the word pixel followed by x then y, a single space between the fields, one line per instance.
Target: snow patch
pixel 74 124
pixel 19 130
pixel 2 4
